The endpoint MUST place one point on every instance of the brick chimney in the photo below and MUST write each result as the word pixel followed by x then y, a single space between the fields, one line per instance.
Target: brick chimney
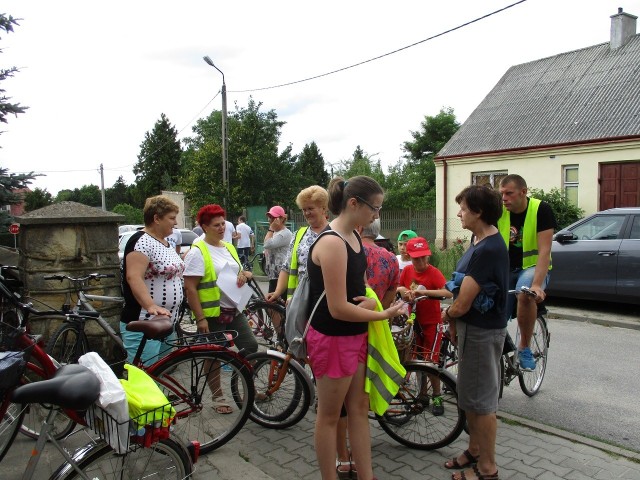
pixel 623 27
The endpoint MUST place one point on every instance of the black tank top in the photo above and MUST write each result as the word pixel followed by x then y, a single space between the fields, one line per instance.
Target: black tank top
pixel 322 320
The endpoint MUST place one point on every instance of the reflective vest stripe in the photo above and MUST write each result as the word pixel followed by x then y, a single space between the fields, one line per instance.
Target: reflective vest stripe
pixel 203 285
pixel 292 281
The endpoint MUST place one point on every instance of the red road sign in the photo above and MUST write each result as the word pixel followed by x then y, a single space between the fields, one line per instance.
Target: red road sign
pixel 14 228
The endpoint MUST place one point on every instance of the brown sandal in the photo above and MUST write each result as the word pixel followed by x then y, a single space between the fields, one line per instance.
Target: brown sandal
pixel 454 465
pixel 478 475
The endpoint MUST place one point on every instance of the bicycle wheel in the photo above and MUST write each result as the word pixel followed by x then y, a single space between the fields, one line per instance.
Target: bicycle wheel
pixel 530 382
pixel 186 324
pixel 67 344
pixel 166 459
pixel 290 401
pixel 259 315
pixel 184 378
pixel 12 416
pixel 36 413
pixel 409 420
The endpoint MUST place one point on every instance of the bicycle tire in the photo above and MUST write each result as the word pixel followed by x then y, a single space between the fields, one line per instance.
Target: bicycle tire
pixel 11 418
pixel 260 321
pixel 36 413
pixel 182 376
pixel 168 458
pixel 287 405
pixel 531 381
pixel 410 422
pixel 67 344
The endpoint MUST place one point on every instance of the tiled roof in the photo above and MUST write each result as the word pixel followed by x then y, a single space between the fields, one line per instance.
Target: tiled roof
pixel 587 94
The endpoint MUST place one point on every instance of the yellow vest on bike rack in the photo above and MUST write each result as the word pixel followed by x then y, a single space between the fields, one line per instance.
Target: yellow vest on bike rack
pixel 384 372
pixel 208 291
pixel 292 281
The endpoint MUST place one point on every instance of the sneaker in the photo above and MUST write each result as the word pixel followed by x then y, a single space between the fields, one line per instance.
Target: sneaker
pixel 525 358
pixel 437 408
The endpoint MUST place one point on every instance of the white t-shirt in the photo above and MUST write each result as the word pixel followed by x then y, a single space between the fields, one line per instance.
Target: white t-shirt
pixel 194 266
pixel 403 263
pixel 229 230
pixel 245 235
pixel 175 239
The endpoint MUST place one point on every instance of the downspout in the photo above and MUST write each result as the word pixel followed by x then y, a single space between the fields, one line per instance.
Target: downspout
pixel 444 193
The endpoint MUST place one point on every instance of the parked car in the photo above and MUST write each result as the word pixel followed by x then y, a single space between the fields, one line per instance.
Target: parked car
pixel 598 258
pixel 122 229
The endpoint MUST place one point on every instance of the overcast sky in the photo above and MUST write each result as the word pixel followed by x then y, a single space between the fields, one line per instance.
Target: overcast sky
pixel 97 75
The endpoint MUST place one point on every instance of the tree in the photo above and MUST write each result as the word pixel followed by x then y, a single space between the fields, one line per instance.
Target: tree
pixel 258 175
pixel 362 164
pixel 309 167
pixel 133 216
pixel 6 107
pixel 117 194
pixel 87 194
pixel 565 212
pixel 158 166
pixel 36 199
pixel 412 182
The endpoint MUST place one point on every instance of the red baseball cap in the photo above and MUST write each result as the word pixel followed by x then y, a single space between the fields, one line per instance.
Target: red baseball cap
pixel 276 211
pixel 418 247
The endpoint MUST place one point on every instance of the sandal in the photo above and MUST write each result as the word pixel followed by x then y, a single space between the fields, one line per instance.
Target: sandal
pixel 453 463
pixel 478 475
pixel 222 406
pixel 344 469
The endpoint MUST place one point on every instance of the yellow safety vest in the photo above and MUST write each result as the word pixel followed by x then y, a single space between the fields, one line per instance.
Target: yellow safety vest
pixel 208 291
pixel 529 233
pixel 384 373
pixel 292 281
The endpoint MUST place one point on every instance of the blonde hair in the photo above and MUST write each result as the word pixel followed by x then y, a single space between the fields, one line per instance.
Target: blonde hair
pixel 158 205
pixel 314 194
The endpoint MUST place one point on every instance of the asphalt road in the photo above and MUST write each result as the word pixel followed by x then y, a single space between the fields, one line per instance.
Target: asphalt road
pixel 591 385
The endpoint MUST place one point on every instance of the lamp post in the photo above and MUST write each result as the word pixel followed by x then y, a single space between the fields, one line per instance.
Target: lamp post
pixel 225 164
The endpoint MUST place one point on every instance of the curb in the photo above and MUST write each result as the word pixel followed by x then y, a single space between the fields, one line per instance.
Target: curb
pixel 606 322
pixel 612 449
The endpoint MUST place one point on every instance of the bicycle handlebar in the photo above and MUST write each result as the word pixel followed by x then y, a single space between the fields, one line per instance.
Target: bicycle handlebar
pixel 91 276
pixel 525 290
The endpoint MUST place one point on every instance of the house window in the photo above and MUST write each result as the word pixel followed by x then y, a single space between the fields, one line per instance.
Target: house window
pixel 570 183
pixel 488 178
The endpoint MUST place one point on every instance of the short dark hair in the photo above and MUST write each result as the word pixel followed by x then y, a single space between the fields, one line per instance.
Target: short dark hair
pixel 482 200
pixel 516 179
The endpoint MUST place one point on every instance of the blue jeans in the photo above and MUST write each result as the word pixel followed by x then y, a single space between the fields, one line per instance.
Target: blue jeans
pixel 517 279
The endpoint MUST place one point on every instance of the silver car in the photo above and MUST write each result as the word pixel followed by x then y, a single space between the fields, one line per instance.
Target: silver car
pixel 598 258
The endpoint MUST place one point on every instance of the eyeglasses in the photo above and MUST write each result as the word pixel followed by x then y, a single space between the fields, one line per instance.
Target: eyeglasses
pixel 373 209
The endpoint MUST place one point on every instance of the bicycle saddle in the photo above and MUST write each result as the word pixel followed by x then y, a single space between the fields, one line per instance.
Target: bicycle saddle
pixel 73 387
pixel 154 329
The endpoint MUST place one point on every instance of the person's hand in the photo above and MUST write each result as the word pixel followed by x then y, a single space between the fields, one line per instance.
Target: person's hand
pixel 156 310
pixel 453 332
pixel 540 295
pixel 409 296
pixel 366 302
pixel 242 279
pixel 397 308
pixel 248 274
pixel 271 296
pixel 203 326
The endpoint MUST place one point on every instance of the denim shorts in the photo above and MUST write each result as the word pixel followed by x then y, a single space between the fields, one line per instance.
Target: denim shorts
pixel 521 278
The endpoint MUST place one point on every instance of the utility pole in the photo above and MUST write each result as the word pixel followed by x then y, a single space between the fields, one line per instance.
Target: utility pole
pixel 225 160
pixel 104 202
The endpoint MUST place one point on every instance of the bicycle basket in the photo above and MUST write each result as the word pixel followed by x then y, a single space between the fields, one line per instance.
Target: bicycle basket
pixel 137 432
pixel 402 333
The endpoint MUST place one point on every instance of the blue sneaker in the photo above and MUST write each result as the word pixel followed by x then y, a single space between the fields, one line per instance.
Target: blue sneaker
pixel 525 358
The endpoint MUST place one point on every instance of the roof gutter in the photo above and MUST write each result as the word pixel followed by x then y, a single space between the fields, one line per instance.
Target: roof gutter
pixel 596 141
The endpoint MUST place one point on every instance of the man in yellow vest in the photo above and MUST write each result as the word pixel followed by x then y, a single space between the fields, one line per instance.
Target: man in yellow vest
pixel 527 226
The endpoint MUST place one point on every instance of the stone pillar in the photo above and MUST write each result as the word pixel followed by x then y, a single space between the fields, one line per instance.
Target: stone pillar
pixel 76 240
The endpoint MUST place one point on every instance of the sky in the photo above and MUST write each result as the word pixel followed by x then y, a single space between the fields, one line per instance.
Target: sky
pixel 97 75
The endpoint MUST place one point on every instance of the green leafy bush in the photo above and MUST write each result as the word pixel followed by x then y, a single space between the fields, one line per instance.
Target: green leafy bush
pixel 133 216
pixel 447 259
pixel 566 212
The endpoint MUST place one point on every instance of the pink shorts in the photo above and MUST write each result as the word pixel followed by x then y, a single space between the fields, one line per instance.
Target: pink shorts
pixel 336 357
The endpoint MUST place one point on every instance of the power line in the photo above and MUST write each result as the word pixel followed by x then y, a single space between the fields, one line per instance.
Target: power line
pixel 383 55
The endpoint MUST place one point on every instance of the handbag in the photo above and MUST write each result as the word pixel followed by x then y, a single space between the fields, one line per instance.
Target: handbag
pixel 226 315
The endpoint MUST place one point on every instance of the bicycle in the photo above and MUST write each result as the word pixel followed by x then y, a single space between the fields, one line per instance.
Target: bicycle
pixel 409 420
pixel 184 374
pixel 284 389
pixel 530 381
pixel 75 388
pixel 248 264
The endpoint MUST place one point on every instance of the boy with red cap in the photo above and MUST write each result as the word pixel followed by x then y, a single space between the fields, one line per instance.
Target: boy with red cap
pixel 421 278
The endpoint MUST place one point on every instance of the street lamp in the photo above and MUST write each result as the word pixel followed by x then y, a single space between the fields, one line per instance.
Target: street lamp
pixel 225 164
